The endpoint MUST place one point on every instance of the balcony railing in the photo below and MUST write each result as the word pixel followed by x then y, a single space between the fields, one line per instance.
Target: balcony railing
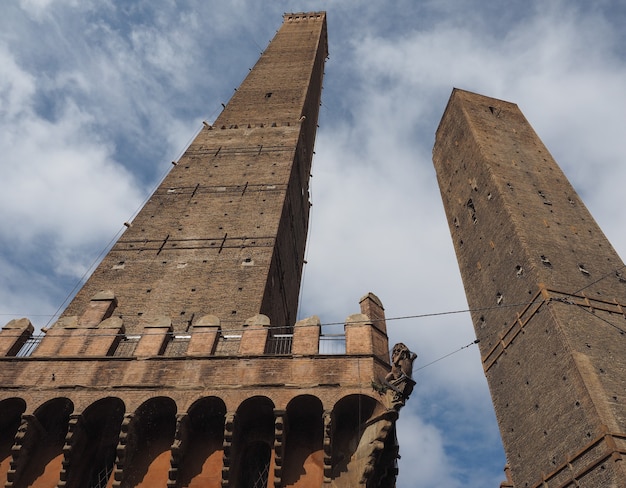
pixel 279 344
pixel 332 344
pixel 29 346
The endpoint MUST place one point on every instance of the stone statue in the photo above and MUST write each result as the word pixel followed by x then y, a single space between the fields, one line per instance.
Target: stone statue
pixel 399 381
pixel 401 362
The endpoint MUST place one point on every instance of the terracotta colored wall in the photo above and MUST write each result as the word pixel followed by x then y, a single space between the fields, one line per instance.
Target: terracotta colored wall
pixel 49 478
pixel 210 475
pixel 156 474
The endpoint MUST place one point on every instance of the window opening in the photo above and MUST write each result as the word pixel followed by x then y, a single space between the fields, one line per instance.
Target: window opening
pixel 545 261
pixel 256 465
pixel 545 198
pixel 472 210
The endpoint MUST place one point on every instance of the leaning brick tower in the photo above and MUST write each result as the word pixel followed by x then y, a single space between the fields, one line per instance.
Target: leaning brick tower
pixel 180 362
pixel 548 294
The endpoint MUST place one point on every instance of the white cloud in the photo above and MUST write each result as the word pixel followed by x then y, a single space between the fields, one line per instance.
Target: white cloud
pixel 16 87
pixel 422 451
pixel 36 8
pixel 98 97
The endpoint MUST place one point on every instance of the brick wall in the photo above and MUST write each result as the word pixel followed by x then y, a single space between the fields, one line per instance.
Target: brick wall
pixel 542 279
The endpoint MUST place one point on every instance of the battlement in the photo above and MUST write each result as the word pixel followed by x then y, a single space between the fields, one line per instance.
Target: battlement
pixel 296 16
pixel 98 333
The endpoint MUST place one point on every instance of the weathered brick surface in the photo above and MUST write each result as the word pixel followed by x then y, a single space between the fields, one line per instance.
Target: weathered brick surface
pixel 373 308
pixel 545 284
pixel 306 336
pixel 154 338
pixel 204 336
pixel 281 378
pixel 102 340
pixel 254 336
pixel 362 337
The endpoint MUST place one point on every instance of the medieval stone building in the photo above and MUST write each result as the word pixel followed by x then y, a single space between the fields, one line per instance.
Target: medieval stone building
pixel 548 293
pixel 180 362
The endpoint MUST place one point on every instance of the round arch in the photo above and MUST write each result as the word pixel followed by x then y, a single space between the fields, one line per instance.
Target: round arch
pixel 11 411
pixel 349 418
pixel 43 466
pixel 152 428
pixel 304 458
pixel 94 448
pixel 202 444
pixel 253 440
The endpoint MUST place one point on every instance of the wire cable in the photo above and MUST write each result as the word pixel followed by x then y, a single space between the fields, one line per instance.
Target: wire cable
pixel 446 356
pixel 612 272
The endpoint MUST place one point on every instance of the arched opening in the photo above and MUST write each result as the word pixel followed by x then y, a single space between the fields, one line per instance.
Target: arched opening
pixel 253 440
pixel 11 411
pixel 304 458
pixel 202 463
pixel 43 468
pixel 350 416
pixel 153 426
pixel 93 450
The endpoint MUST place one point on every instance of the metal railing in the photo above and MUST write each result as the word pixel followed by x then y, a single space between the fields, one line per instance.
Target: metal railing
pixel 332 344
pixel 29 346
pixel 279 344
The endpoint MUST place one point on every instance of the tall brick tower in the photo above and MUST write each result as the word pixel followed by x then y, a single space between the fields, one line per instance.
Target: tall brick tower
pixel 179 363
pixel 548 293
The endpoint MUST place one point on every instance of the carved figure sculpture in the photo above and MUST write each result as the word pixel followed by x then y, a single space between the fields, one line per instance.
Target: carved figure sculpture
pixel 399 379
pixel 401 362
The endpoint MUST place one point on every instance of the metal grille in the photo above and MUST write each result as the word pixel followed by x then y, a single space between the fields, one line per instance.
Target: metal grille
pixel 261 479
pixel 100 479
pixel 279 344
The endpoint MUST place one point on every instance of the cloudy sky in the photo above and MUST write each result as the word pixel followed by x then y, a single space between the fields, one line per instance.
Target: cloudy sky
pixel 97 97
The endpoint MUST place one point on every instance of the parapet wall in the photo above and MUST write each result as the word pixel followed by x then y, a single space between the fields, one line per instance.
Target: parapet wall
pixel 99 333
